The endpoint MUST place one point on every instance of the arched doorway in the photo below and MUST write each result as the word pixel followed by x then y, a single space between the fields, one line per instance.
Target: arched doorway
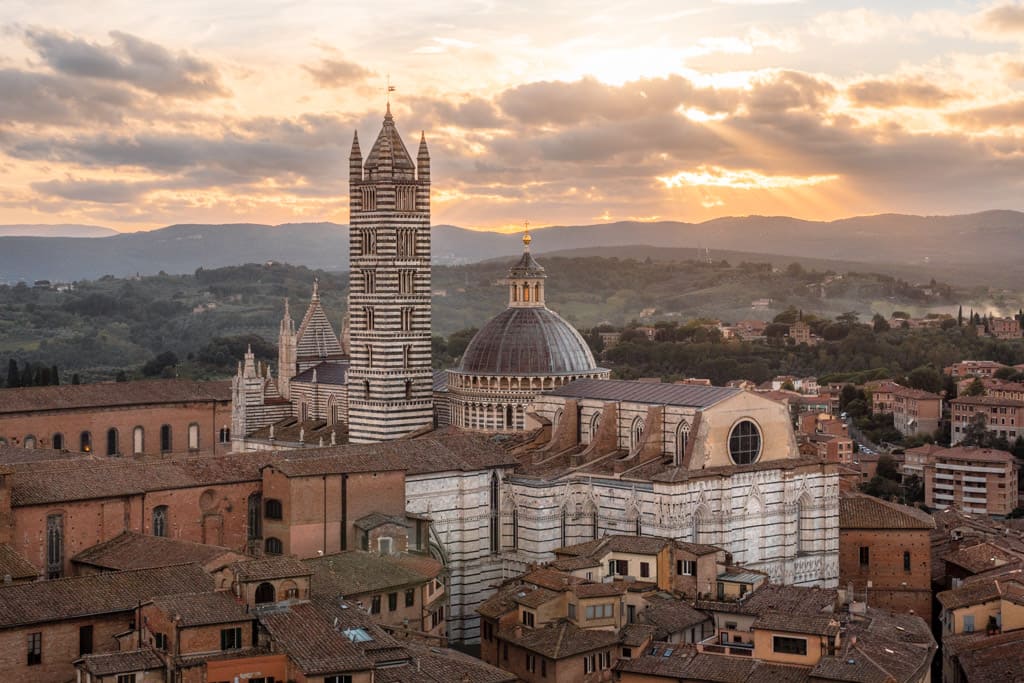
pixel 264 593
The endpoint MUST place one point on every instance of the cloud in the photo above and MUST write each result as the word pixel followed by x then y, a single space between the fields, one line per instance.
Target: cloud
pixel 338 73
pixel 788 90
pixel 472 113
pixel 129 60
pixel 897 93
pixel 1002 115
pixel 97 191
pixel 41 98
pixel 1007 18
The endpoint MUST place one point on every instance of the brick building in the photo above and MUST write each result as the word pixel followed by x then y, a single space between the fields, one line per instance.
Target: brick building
pixel 973 368
pixel 152 417
pixel 885 553
pixel 1000 415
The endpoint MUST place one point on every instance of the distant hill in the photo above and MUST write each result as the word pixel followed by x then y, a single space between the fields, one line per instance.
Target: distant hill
pixel 63 230
pixel 980 248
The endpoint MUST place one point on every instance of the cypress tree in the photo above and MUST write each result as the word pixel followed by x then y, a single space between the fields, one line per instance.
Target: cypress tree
pixel 13 376
pixel 75 379
pixel 960 316
pixel 54 376
pixel 26 375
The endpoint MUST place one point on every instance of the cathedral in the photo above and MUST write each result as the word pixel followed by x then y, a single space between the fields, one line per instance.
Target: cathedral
pixel 587 455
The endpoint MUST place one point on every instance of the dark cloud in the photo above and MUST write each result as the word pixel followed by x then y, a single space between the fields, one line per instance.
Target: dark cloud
pixel 788 90
pixel 907 93
pixel 130 60
pixel 336 73
pixel 1008 18
pixel 558 102
pixel 995 116
pixel 41 98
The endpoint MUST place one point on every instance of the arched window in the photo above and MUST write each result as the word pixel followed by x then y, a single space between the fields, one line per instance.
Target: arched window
pixel 515 529
pixel 595 422
pixel 636 432
pixel 699 515
pixel 509 420
pixel 111 441
pixel 594 522
pixel 331 417
pixel 682 436
pixel 30 441
pixel 138 440
pixel 85 442
pixel 804 525
pixel 254 517
pixel 303 411
pixel 274 509
pixel 536 292
pixel 556 419
pixel 160 520
pixel 495 514
pixel 565 527
pixel 408 389
pixel 165 438
pixel 193 437
pixel 526 292
pixel 265 591
pixel 638 524
pixel 515 294
pixel 272 546
pixel 58 441
pixel 54 545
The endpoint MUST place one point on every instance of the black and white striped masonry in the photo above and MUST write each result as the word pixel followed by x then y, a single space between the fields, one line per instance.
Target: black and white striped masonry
pixel 390 379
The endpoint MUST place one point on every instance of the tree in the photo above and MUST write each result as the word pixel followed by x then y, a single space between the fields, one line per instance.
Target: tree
pixel 975 388
pixel 75 379
pixel 887 468
pixel 925 378
pixel 879 323
pixel 54 376
pixel 788 386
pixel 155 366
pixel 960 316
pixel 13 376
pixel 976 432
pixel 881 487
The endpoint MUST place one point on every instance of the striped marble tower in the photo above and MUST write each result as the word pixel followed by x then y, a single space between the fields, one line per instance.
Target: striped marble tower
pixel 390 379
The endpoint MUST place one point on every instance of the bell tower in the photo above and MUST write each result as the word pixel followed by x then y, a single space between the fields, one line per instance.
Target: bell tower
pixel 390 379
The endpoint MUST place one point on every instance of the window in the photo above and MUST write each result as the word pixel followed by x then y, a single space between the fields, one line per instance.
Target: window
pixel 405 281
pixel 589 664
pixel 968 623
pixel 85 442
pixel 744 442
pixel 410 597
pixel 686 567
pixel 160 520
pixel 544 668
pixel 341 678
pixel 531 663
pixel 436 617
pixel 126 678
pixel 230 638
pixel 605 659
pixel 406 355
pixel 160 641
pixel 272 546
pixel 368 312
pixel 528 618
pixel 111 441
pixel 789 646
pixel 274 509
pixel 58 441
pixel 600 611
pixel 138 440
pixel 35 648
pixel 85 639
pixel 865 558
pixel 54 546
pixel 407 319
pixel 193 437
pixel 30 441
pixel 375 605
pixel 488 630
pixel 572 611
pixel 224 435
pixel 255 519
pixel 408 389
pixel 405 197
pixel 645 570
pixel 406 243
pixel 495 516
pixel 622 567
pixel 384 545
pixel 504 651
pixel 369 281
pixel 906 560
pixel 369 203
pixel 392 602
pixel 165 438
pixel 265 593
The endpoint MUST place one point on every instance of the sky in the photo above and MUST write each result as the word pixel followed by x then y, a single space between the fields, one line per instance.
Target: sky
pixel 139 115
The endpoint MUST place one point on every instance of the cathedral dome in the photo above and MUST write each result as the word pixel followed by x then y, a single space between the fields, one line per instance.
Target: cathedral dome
pixel 527 341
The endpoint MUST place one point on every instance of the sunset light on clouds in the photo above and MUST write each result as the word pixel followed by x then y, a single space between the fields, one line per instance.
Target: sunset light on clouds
pixel 122 114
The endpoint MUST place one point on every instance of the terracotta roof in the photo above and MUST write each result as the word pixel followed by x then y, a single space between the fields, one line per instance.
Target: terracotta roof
pixel 559 639
pixel 536 597
pixel 670 616
pixel 635 635
pixel 980 592
pixel 987 401
pixel 111 394
pixel 201 609
pixel 424 565
pixel 438 665
pixel 981 557
pixel 14 565
pixel 772 597
pixel 14 454
pixel 678 474
pixel 132 550
pixel 778 673
pixel 973 453
pixel 269 568
pixel 376 519
pixel 880 647
pixel 69 480
pixel 640 545
pixel 814 624
pixel 310 640
pixel 569 564
pixel 917 394
pixel 113 663
pixel 668 660
pixel 328 372
pixel 719 669
pixel 357 572
pixel 860 511
pixel 600 590
pixel 103 593
pixel 502 601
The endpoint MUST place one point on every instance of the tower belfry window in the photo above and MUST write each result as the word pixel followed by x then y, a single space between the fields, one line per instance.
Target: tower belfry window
pixel 405 197
pixel 369 198
pixel 407 319
pixel 369 281
pixel 369 317
pixel 405 281
pixel 406 242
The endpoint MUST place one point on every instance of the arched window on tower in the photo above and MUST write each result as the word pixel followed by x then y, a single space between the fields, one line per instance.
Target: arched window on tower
pixel 111 441
pixel 85 442
pixel 58 441
pixel 565 527
pixel 636 432
pixel 595 422
pixel 682 436
pixel 165 438
pixel 526 292
pixel 138 440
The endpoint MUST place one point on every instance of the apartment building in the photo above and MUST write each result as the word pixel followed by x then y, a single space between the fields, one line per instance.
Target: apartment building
pixel 1003 417
pixel 976 480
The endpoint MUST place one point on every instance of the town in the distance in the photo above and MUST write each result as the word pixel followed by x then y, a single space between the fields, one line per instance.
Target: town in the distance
pixel 361 502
